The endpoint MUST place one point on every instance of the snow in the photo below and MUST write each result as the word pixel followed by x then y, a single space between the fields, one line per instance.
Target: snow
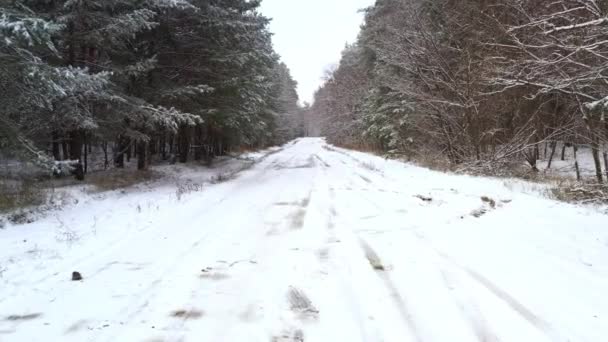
pixel 566 168
pixel 310 243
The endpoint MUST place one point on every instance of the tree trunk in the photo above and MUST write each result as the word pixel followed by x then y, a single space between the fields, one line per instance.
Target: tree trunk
pixel 553 147
pixel 86 153
pixel 76 143
pixel 530 156
pixel 576 167
pixel 198 141
pixel 605 124
pixel 153 147
pixel 564 151
pixel 606 164
pixel 106 163
pixel 64 150
pixel 184 143
pixel 55 145
pixel 119 154
pixel 163 146
pixel 142 154
pixel 595 151
pixel 128 147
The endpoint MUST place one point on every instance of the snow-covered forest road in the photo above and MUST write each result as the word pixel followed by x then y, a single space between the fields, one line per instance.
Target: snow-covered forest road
pixel 312 243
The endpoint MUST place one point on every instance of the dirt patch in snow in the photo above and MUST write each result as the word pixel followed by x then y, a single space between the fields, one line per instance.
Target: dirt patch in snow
pixel 297 219
pixel 424 198
pixel 372 257
pixel 309 164
pixel 76 326
pixel 323 254
pixel 296 335
pixel 489 204
pixel 367 180
pixel 27 317
pixel 300 304
pixel 214 276
pixel 187 314
pixel 210 274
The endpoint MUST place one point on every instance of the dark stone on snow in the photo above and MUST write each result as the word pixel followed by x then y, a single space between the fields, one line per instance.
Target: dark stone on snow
pixel 76 276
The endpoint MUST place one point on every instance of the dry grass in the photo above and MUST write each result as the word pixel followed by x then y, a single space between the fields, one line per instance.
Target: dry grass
pixel 24 201
pixel 20 194
pixel 571 191
pixel 120 179
pixel 187 188
pixel 370 166
pixel 368 148
pixel 433 162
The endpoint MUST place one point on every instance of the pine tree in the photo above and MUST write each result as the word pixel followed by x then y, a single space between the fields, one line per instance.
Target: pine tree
pixel 147 76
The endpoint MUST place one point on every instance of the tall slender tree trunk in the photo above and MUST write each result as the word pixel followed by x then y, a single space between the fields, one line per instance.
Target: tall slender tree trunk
pixel 198 141
pixel 55 145
pixel 64 149
pixel 153 147
pixel 553 147
pixel 184 143
pixel 605 124
pixel 86 153
pixel 606 163
pixel 106 163
pixel 595 151
pixel 129 148
pixel 119 154
pixel 576 166
pixel 76 143
pixel 142 155
pixel 564 151
pixel 76 146
pixel 163 146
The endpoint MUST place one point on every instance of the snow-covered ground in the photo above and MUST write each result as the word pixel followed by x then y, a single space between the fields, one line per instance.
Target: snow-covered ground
pixel 566 168
pixel 312 243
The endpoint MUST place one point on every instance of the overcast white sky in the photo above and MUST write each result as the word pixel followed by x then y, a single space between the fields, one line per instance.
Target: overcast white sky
pixel 310 34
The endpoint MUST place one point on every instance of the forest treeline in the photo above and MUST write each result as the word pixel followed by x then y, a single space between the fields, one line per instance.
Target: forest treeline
pixel 482 84
pixel 183 79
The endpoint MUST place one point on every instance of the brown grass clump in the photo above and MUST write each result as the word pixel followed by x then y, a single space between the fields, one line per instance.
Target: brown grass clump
pixel 120 179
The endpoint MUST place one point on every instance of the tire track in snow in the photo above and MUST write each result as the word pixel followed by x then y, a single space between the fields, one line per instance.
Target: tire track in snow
pixel 401 303
pixel 469 308
pixel 323 162
pixel 352 178
pixel 521 310
pixel 142 299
